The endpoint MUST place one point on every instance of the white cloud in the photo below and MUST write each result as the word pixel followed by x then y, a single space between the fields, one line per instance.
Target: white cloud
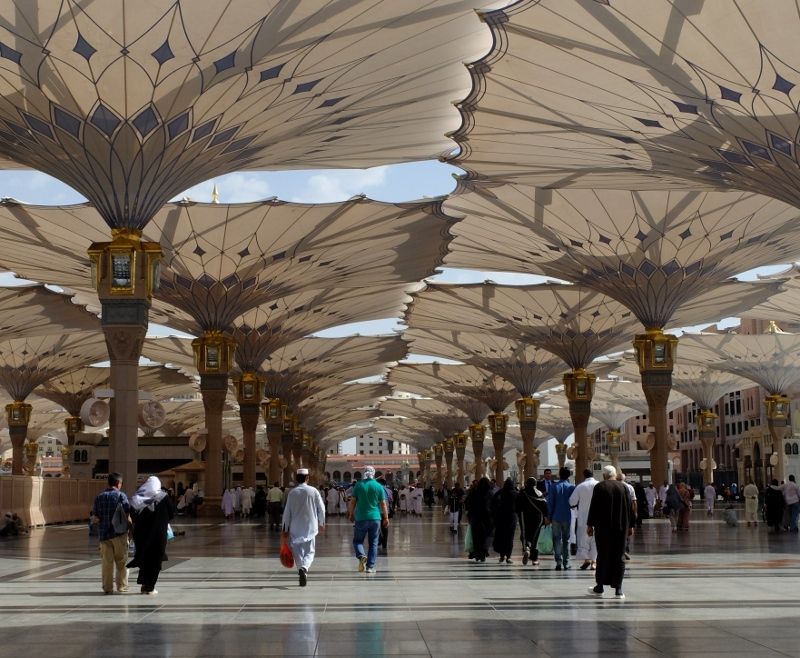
pixel 233 188
pixel 341 185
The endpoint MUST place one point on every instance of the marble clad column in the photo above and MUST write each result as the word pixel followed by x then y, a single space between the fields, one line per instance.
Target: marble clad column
pixel 250 414
pixel 214 390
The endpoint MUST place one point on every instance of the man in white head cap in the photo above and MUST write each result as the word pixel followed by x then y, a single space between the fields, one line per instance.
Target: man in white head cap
pixel 303 518
pixel 368 510
pixel 610 521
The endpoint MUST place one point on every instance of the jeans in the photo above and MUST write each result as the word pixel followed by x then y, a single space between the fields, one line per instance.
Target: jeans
pixel 361 530
pixel 792 511
pixel 561 542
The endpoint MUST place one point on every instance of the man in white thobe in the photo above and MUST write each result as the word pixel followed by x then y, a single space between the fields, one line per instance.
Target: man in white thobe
pixel 710 494
pixel 303 518
pixel 247 501
pixel 651 495
pixel 580 500
pixel 333 501
pixel 416 501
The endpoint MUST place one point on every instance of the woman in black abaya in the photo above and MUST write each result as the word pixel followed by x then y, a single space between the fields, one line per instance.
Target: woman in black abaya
pixel 151 511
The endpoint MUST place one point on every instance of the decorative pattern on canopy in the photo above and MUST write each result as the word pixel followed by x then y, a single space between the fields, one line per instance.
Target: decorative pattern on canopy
pixel 651 251
pixel 770 360
pixel 703 384
pixel 630 394
pixel 466 380
pixel 33 310
pixel 557 422
pixel 638 95
pixel 527 367
pixel 434 413
pixel 222 261
pixel 73 388
pixel 573 322
pixel 26 363
pixel 132 103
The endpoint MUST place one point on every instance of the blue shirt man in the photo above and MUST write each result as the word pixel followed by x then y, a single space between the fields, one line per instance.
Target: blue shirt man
pixel 560 516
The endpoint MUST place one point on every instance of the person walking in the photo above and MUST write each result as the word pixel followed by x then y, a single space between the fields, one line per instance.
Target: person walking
pixel 505 520
pixel 750 493
pixel 560 516
pixel 113 541
pixel 531 508
pixel 651 495
pixel 383 542
pixel 478 504
pixel 673 503
pixel 368 511
pixel 610 522
pixel 455 504
pixel 773 499
pixel 791 497
pixel 710 494
pixel 580 499
pixel 303 518
pixel 152 512
pixel 274 506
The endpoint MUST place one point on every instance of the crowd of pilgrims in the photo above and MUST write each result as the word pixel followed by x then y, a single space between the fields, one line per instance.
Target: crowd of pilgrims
pixel 496 515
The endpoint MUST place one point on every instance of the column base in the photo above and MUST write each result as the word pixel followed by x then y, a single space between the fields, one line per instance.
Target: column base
pixel 211 508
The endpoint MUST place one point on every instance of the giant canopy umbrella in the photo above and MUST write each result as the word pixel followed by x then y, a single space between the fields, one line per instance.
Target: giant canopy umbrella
pixel 574 323
pixel 73 388
pixel 704 385
pixel 26 363
pixel 637 95
pixel 295 368
pixel 467 380
pixel 652 251
pixel 130 103
pixel 529 367
pixel 557 423
pixel 451 424
pixel 770 360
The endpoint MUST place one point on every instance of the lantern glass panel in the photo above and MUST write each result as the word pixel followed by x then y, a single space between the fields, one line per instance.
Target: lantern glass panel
pixel 212 357
pixel 121 270
pixel 660 352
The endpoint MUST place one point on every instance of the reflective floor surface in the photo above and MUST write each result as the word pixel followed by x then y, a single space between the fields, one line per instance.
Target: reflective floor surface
pixel 712 591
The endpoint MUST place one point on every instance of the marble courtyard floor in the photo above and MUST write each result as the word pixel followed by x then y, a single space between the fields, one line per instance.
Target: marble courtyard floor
pixel 713 591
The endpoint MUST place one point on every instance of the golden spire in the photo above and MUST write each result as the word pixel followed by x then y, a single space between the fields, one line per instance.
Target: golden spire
pixel 215 194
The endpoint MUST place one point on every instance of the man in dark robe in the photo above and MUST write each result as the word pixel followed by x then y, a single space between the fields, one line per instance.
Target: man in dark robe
pixel 610 521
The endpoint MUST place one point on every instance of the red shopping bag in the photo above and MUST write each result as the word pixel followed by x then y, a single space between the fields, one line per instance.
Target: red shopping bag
pixel 287 559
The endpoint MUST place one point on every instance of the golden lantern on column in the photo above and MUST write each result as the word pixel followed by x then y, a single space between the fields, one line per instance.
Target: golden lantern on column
pixel 126 266
pixel 497 422
pixel 527 410
pixel 249 387
pixel 213 353
pixel 477 432
pixel 460 440
pixel 73 425
pixel 18 414
pixel 707 421
pixel 579 385
pixel 272 410
pixel 777 407
pixel 655 350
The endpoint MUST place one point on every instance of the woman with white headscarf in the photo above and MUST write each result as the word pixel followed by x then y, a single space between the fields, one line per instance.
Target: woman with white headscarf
pixel 151 512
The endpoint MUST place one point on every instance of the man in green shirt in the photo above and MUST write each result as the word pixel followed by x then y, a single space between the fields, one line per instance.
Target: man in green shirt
pixel 368 510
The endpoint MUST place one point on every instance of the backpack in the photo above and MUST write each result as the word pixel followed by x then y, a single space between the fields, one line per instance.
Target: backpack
pixel 119 522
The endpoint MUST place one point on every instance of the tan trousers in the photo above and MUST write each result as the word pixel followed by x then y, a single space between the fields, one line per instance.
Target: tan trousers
pixel 114 552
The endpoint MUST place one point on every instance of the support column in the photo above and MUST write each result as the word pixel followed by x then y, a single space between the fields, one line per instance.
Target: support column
pixel 461 450
pixel 707 429
pixel 612 437
pixel 477 434
pixel 498 422
pixel 125 274
pixel 287 439
pixel 528 416
pixel 655 353
pixel 438 449
pixel 449 447
pixel 249 415
pixel 561 454
pixel 213 358
pixel 214 390
pixel 249 391
pixel 297 447
pixel 777 406
pixel 579 389
pixel 273 417
pixel 18 415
